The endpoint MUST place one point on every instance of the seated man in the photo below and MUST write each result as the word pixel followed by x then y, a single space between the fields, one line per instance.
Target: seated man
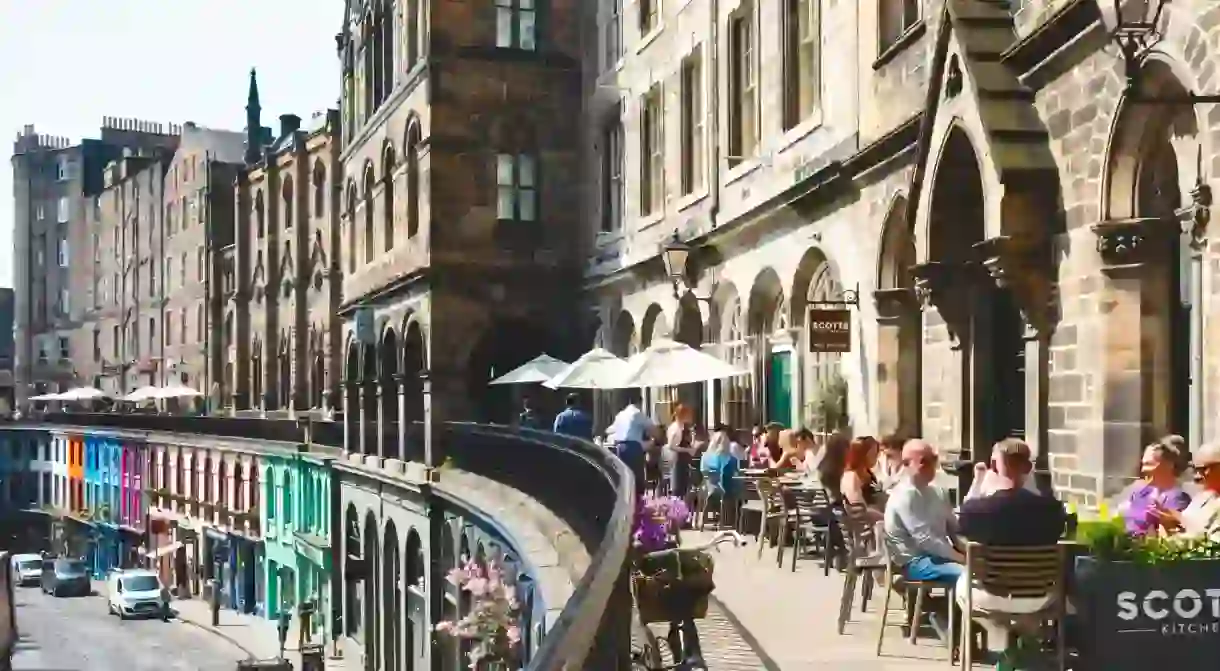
pixel 919 520
pixel 1009 515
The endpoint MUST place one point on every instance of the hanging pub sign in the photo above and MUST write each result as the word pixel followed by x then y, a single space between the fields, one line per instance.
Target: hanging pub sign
pixel 829 330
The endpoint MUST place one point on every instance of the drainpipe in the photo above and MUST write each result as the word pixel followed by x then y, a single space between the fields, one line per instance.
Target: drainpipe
pixel 714 95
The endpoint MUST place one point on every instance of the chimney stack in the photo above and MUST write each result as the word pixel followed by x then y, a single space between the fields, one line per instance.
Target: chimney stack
pixel 289 123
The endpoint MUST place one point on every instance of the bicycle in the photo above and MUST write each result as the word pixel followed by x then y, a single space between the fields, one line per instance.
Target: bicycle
pixel 682 639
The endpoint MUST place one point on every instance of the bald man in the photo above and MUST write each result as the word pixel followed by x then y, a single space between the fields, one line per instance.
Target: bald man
pixel 919 522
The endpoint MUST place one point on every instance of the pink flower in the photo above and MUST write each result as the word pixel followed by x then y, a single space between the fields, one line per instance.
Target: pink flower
pixel 514 634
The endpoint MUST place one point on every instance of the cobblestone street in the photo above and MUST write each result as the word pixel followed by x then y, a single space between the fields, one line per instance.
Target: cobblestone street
pixel 77 634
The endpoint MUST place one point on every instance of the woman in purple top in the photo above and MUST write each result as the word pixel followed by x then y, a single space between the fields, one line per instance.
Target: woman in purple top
pixel 1161 466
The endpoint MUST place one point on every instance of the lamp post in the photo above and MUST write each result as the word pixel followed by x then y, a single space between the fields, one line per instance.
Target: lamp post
pixel 1135 28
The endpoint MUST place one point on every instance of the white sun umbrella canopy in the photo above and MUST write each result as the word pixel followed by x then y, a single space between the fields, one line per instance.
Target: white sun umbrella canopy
pixel 667 363
pixel 177 391
pixel 82 394
pixel 539 369
pixel 595 369
pixel 142 394
pixel 45 397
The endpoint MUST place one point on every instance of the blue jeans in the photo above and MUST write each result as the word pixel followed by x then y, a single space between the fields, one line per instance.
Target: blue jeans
pixel 632 453
pixel 931 568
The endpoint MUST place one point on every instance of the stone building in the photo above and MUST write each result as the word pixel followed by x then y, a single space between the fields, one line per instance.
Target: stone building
pixel 459 212
pixel 1025 218
pixel 144 319
pixel 280 335
pixel 53 182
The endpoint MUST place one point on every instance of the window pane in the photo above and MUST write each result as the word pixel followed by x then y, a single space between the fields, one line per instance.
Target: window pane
pixel 525 4
pixel 504 169
pixel 526 212
pixel 504 27
pixel 505 203
pixel 526 39
pixel 525 170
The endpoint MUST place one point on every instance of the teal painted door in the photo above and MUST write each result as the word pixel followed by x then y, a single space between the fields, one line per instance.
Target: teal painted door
pixel 779 388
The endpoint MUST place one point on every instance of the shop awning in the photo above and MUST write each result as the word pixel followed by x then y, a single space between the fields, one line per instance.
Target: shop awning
pixel 162 551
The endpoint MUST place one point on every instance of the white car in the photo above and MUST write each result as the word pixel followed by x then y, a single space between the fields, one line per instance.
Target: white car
pixel 135 593
pixel 27 569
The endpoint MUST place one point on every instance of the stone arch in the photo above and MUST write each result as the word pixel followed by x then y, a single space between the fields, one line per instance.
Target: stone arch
pixel 766 311
pixel 388 372
pixel 504 345
pixel 372 560
pixel 623 336
pixel 260 214
pixel 289 199
pixel 653 326
pixel 896 254
pixel 370 236
pixel 957 185
pixel 448 559
pixel 416 589
pixel 353 612
pixel 411 155
pixel 816 279
pixel 1152 244
pixel 389 163
pixel 392 598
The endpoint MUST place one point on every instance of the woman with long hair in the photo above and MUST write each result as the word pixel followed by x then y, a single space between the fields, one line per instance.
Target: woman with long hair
pixel 833 463
pixel 859 484
pixel 679 451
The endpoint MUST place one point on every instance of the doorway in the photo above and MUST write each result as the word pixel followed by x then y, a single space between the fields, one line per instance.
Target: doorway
pixel 779 388
pixel 999 369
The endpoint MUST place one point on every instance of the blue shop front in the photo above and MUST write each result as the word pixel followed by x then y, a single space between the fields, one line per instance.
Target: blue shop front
pixel 112 543
pixel 234 561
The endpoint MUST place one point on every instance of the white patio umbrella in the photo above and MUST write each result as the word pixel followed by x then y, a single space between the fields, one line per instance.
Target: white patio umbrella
pixel 82 394
pixel 595 369
pixel 45 397
pixel 177 390
pixel 539 369
pixel 142 394
pixel 666 363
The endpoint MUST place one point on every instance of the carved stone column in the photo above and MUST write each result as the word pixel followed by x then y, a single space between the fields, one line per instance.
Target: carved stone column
pixel 400 383
pixel 378 392
pixel 1137 373
pixel 898 355
pixel 363 420
pixel 945 363
pixel 351 412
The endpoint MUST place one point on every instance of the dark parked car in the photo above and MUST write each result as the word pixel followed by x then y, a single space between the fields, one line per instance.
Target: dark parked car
pixel 65 577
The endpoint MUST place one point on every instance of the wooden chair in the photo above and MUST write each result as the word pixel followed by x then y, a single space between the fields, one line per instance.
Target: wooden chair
pixel 808 520
pixel 1016 572
pixel 865 557
pixel 895 581
pixel 711 492
pixel 773 514
pixel 750 506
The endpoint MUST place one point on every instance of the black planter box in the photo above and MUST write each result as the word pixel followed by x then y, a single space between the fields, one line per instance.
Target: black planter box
pixel 1138 617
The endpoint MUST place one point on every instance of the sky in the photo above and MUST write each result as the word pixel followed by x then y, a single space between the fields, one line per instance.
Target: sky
pixel 64 64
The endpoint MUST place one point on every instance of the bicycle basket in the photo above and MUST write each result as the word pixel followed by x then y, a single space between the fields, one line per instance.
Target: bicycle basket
pixel 673 588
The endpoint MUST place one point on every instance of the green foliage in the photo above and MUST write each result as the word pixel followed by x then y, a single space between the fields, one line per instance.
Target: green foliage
pixel 1108 540
pixel 828 411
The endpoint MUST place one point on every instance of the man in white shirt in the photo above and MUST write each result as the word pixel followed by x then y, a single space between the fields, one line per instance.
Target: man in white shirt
pixel 627 434
pixel 919 522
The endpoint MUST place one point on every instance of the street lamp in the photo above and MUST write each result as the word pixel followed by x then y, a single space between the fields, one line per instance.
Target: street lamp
pixel 676 255
pixel 1135 28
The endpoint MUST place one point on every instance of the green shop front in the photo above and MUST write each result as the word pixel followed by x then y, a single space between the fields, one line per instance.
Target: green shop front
pixel 295 510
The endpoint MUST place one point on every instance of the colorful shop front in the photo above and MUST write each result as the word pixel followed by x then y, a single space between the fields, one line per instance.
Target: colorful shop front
pixel 114 502
pixel 296 513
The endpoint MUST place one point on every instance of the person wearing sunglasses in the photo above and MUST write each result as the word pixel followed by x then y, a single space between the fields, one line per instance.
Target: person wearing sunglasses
pixel 1201 518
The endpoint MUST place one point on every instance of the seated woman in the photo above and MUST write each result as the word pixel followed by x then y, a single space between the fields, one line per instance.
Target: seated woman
pixel 1160 468
pixel 1200 519
pixel 858 484
pixel 831 467
pixel 794 447
pixel 718 465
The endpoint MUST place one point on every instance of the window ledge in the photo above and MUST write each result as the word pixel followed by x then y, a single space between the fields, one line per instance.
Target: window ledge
pixel 800 131
pixel 741 170
pixel 904 41
pixel 650 37
pixel 691 199
pixel 648 221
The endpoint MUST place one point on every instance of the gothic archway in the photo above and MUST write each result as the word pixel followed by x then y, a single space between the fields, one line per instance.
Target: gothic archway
pixel 388 390
pixel 372 560
pixel 353 611
pixel 414 361
pixel 504 345
pixel 416 590
pixel 816 286
pixel 734 395
pixel 351 400
pixel 392 599
pixel 898 327
pixel 771 342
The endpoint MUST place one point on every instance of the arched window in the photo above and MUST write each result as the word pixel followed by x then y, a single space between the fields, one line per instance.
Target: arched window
pixel 389 47
pixel 319 189
pixel 369 239
pixel 412 157
pixel 260 213
pixel 288 196
pixel 413 33
pixel 351 227
pixel 387 192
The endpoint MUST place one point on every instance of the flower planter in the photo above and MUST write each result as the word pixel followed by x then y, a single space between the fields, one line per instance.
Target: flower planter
pixel 1138 616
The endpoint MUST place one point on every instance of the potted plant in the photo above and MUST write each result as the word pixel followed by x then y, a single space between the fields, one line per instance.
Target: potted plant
pixel 492 623
pixel 828 411
pixel 1146 599
pixel 674 587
